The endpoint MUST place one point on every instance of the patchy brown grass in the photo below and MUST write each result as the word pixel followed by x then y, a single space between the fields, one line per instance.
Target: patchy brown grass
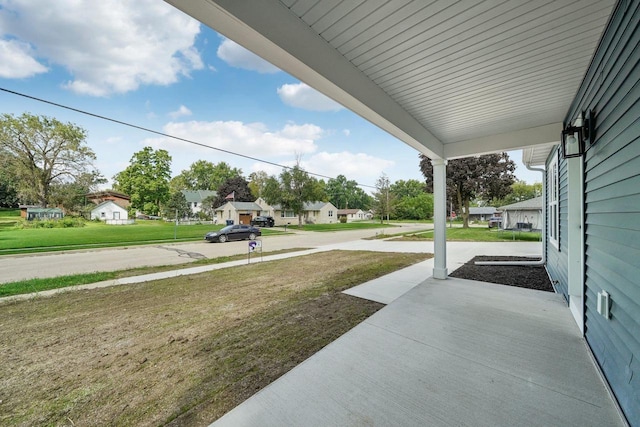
pixel 180 351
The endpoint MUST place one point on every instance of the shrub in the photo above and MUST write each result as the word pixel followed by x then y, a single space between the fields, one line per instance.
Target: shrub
pixel 343 219
pixel 66 222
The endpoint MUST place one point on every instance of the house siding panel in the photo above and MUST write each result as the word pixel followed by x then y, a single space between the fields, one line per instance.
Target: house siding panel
pixel 612 204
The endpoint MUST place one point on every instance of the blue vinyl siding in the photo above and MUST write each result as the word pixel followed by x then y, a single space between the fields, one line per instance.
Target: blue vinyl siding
pixel 612 204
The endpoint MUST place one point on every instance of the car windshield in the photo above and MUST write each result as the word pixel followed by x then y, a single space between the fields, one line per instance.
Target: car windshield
pixel 227 228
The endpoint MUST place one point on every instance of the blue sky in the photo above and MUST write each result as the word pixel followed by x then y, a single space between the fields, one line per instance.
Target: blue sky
pixel 146 63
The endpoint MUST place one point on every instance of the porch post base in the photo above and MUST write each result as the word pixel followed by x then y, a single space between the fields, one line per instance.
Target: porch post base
pixel 440 273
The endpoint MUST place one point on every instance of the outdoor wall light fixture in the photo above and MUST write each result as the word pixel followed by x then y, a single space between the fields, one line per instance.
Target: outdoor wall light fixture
pixel 575 136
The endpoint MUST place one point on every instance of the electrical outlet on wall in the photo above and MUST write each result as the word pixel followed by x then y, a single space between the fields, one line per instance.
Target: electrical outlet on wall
pixel 604 304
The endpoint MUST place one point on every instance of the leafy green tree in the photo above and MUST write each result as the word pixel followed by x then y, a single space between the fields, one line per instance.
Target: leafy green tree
pixel 209 206
pixel 238 187
pixel 8 185
pixel 298 188
pixel 42 152
pixel 257 183
pixel 8 193
pixel 177 206
pixel 272 192
pixel 338 190
pixel 414 207
pixel 146 180
pixel 409 188
pixel 484 177
pixel 383 199
pixel 520 191
pixel 345 194
pixel 204 175
pixel 71 195
pixel 292 189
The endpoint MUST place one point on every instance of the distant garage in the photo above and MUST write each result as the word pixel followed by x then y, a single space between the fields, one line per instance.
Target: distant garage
pixel 525 215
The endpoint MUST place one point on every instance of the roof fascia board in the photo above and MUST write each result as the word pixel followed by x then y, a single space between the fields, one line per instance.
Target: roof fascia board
pixel 269 29
pixel 504 142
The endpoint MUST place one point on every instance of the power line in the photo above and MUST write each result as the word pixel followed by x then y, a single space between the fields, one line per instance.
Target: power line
pixel 131 125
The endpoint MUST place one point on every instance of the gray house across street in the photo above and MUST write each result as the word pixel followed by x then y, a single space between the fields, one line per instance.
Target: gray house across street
pixel 481 213
pixel 195 198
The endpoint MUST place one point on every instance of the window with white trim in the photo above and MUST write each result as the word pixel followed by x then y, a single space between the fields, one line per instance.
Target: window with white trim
pixel 287 214
pixel 553 187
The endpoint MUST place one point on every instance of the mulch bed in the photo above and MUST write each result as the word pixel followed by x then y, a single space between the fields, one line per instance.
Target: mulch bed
pixel 523 276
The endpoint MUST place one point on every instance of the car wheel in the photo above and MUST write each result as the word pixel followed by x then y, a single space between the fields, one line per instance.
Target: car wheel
pixel 252 236
pixel 222 239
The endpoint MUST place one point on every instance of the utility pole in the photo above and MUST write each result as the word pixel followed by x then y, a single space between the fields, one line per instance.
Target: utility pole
pixel 387 202
pixel 175 228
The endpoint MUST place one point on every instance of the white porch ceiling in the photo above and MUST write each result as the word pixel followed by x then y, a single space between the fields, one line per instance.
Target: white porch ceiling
pixel 449 78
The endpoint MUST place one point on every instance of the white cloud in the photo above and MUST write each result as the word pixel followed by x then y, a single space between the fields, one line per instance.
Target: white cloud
pixel 253 139
pixel 16 61
pixel 346 132
pixel 108 46
pixel 237 56
pixel 362 167
pixel 300 95
pixel 266 167
pixel 180 112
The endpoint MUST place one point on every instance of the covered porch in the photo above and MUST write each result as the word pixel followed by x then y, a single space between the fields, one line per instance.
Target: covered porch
pixel 452 80
pixel 454 352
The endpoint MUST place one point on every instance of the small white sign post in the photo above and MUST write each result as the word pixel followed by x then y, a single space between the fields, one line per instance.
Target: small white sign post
pixel 254 245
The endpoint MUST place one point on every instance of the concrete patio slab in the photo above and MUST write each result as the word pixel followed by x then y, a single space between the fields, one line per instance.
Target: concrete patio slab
pixel 452 352
pixel 387 288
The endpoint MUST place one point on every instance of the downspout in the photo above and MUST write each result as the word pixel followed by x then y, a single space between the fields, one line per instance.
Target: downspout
pixel 543 259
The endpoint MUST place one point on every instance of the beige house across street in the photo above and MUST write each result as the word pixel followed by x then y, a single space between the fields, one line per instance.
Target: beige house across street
pixel 352 214
pixel 240 212
pixel 244 212
pixel 314 213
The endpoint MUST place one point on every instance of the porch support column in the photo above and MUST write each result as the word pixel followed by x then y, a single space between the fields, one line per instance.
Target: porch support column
pixel 439 218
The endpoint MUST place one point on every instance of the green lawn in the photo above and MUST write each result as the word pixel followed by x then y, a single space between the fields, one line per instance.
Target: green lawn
pixel 95 235
pixel 475 234
pixel 8 217
pixel 10 213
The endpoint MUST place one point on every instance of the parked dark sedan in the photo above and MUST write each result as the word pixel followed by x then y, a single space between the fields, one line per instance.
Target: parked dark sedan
pixel 233 232
pixel 263 221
